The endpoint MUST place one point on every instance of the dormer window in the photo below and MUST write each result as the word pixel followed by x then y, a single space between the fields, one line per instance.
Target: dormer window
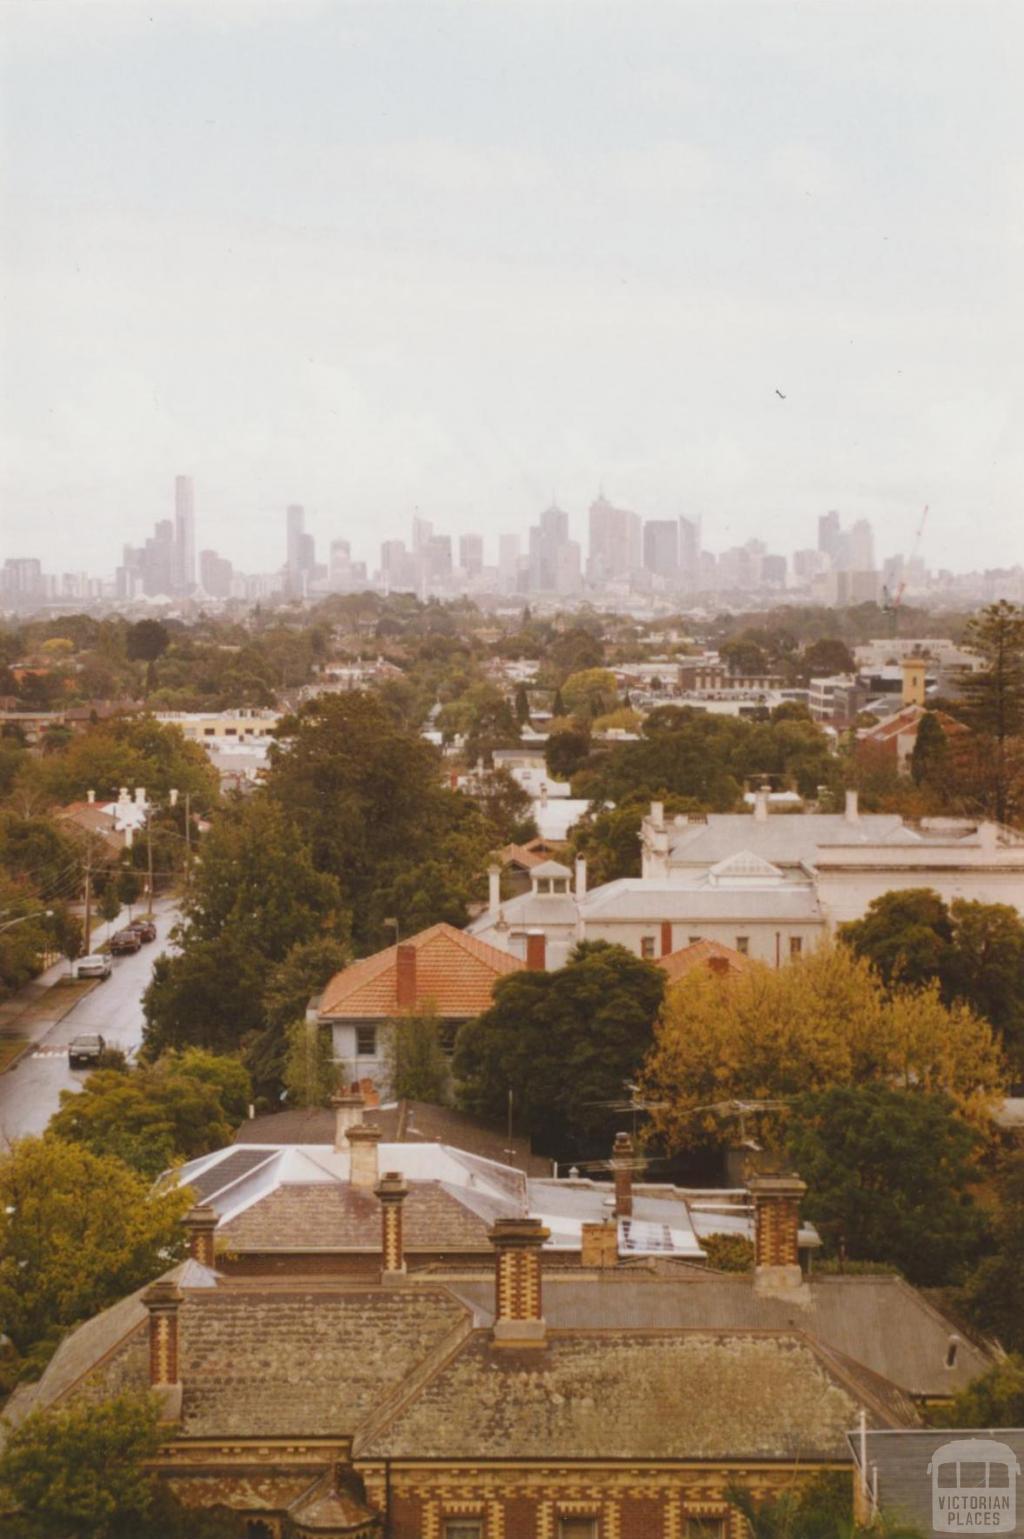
pixel 543 884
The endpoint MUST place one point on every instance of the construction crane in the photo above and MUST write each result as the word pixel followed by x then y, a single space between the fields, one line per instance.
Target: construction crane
pixel 891 601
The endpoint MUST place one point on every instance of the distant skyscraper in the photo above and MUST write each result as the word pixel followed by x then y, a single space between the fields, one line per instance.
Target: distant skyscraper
pixel 859 547
pixel 471 554
pixel 216 574
pixel 690 574
pixel 184 534
pixel 509 546
pixel 829 536
pixel 301 550
pixel 661 547
pixel 550 569
pixel 616 541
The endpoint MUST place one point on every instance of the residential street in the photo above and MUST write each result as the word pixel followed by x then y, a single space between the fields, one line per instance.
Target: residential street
pixel 30 1092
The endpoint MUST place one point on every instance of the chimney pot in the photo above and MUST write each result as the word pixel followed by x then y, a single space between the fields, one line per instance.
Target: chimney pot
pixel 536 950
pixel 363 1139
pixel 348 1113
pixel 518 1320
pixel 658 814
pixel 852 813
pixel 90 797
pixel 622 1169
pixel 200 1224
pixel 391 1191
pixel 405 976
pixel 140 796
pixel 581 878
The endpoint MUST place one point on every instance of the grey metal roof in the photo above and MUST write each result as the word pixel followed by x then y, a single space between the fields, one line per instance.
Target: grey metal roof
pixel 785 839
pixel 637 898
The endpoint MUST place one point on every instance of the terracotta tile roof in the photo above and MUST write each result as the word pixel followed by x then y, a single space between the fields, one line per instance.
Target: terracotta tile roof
pixel 318 1217
pixel 710 954
pixel 455 974
pixel 648 1395
pixel 521 855
pixel 906 720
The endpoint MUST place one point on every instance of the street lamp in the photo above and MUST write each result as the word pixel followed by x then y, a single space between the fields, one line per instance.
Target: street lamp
pixel 39 913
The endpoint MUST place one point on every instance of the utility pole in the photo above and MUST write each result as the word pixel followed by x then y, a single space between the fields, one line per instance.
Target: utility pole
pixel 149 864
pixel 188 840
pixel 87 928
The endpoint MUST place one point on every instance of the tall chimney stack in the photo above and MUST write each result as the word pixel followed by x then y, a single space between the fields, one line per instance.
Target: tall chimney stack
pixel 777 1201
pixel 391 1191
pixel 518 1321
pixel 622 1169
pixel 405 976
pixel 200 1224
pixel 163 1300
pixel 581 878
pixel 852 813
pixel 348 1113
pixel 493 891
pixel 761 804
pixel 363 1139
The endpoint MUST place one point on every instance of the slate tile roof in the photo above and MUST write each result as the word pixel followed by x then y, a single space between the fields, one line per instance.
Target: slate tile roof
pixel 455 974
pixel 650 1395
pixel 312 1218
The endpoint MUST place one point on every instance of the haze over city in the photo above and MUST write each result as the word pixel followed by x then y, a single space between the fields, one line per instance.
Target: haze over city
pixel 737 263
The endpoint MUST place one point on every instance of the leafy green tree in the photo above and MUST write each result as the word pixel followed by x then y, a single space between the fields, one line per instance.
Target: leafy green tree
pixel 129 751
pixel 993 1295
pixel 887 1174
pixel 826 656
pixel 744 657
pixel 522 706
pixel 904 934
pixel 306 969
pixel 417 1068
pixel 128 886
pixel 146 642
pixel 179 1107
pixel 996 1399
pixel 310 1073
pixel 207 995
pixel 110 903
pixel 506 806
pixel 77 1231
pixel 563 1043
pixel 81 1471
pixel 590 693
pixel 566 752
pixel 820 1508
pixel 993 705
pixel 931 761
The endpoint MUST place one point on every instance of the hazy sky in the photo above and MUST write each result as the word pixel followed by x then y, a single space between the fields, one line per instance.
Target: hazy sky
pixel 462 257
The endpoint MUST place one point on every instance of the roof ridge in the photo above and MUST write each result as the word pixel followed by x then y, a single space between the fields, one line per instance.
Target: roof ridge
pixel 406 1390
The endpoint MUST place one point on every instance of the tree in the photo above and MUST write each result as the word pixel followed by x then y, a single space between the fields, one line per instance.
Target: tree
pixel 930 760
pixel 887 1174
pixel 207 995
pixel 563 1043
pixel 129 886
pixel 827 656
pixel 522 706
pixel 590 693
pixel 905 935
pixel 179 1107
pixel 307 968
pixel 609 837
pixel 993 1295
pixel 130 751
pixel 993 705
pixel 417 1068
pixel 818 1508
pixel 81 1470
pixel 566 752
pixel 77 1231
pixel 827 1021
pixel 996 1399
pixel 309 1069
pixel 146 642
pixel 743 657
pixel 506 806
pixel 110 903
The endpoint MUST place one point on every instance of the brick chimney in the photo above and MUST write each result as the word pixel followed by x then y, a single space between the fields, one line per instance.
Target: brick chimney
pixel 200 1223
pixel 348 1113
pixel 536 950
pixel 391 1191
pixel 777 1201
pixel 599 1244
pixel 517 1306
pixel 622 1169
pixel 362 1144
pixel 405 976
pixel 493 891
pixel 666 937
pixel 163 1300
pixel 581 878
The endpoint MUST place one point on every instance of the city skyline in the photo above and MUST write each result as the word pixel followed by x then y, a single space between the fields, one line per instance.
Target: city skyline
pixel 730 263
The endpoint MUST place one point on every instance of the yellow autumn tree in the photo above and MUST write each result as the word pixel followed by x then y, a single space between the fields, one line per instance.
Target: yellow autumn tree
pixel 823 1021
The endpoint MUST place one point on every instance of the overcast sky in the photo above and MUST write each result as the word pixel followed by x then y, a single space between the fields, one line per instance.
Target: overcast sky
pixel 466 257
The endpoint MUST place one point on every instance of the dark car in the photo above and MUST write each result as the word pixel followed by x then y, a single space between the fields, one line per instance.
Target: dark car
pixel 145 929
pixel 125 942
pixel 85 1051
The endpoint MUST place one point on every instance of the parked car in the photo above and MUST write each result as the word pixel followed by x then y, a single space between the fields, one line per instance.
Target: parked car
pixel 96 966
pixel 84 1051
pixel 145 929
pixel 125 941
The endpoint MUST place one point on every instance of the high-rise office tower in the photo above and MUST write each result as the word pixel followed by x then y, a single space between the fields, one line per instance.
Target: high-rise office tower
pixel 301 550
pixel 829 536
pixel 859 549
pixel 549 569
pixel 616 541
pixel 216 574
pixel 184 576
pixel 471 554
pixel 690 574
pixel 661 547
pixel 509 546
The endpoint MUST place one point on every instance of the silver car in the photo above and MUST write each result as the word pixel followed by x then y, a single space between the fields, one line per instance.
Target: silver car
pixel 97 966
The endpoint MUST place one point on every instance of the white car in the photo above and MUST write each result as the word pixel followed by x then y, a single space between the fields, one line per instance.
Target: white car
pixel 97 966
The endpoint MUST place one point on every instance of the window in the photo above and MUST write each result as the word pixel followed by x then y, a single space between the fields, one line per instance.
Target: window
pixel 464 1528
pixel 647 947
pixel 743 944
pixel 366 1041
pixel 796 945
pixel 543 884
pixel 560 884
pixel 577 1528
pixel 705 1528
pixel 691 940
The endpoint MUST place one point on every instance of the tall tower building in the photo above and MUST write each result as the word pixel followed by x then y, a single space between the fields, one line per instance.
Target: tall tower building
pixel 301 550
pixel 829 536
pixel 184 534
pixel 661 547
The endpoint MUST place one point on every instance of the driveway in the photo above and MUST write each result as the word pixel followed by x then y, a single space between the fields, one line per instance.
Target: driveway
pixel 29 1093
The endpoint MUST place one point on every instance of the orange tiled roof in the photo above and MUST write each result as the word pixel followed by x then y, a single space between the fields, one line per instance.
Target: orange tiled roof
pixel 906 720
pixel 522 855
pixel 455 975
pixel 703 953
